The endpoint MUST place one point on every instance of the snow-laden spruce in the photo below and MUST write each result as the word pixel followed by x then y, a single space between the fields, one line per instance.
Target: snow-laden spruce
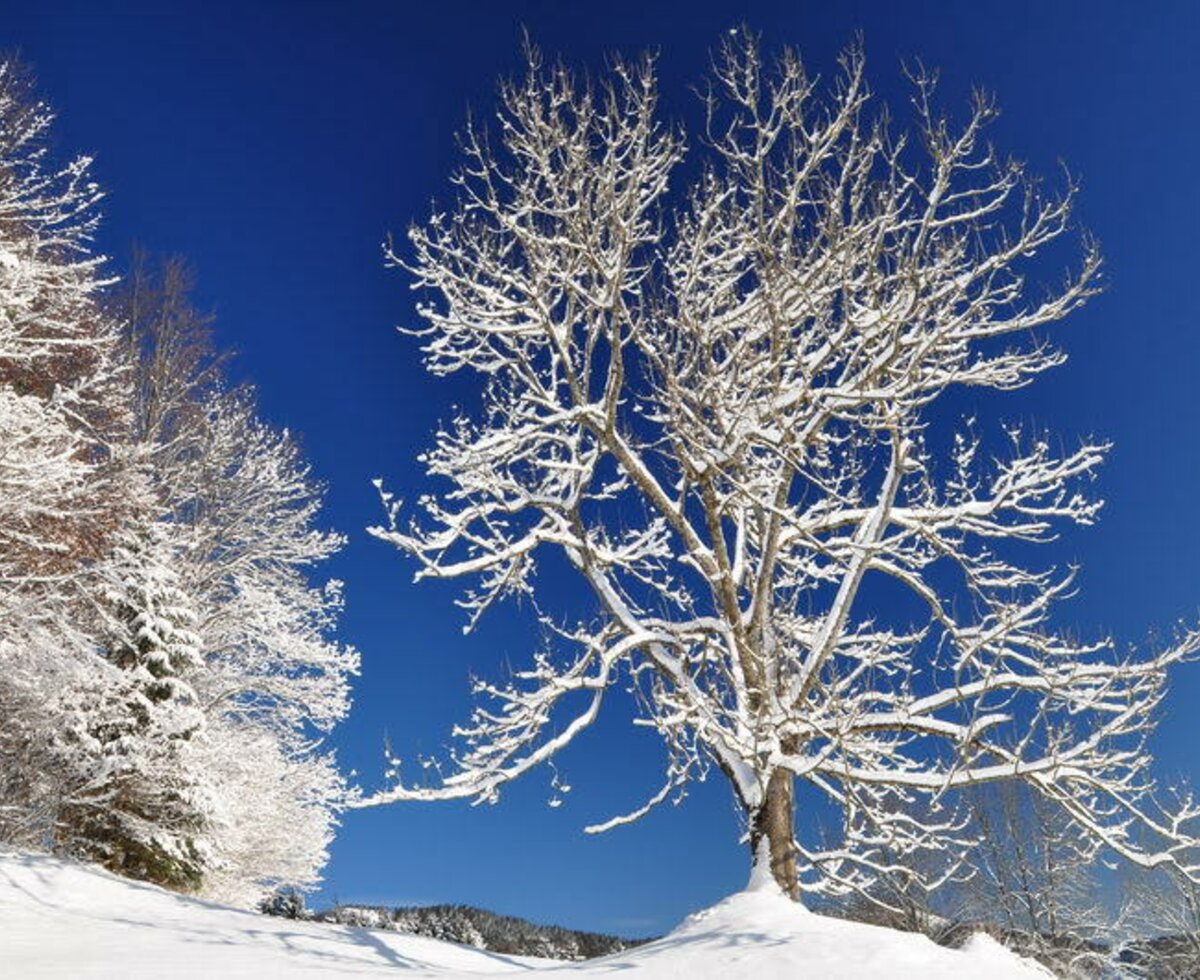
pixel 720 414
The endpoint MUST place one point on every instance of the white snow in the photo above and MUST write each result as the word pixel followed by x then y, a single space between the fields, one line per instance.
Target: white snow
pixel 59 919
pixel 759 934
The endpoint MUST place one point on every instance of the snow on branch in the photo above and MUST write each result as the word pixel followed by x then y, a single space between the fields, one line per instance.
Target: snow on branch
pixel 714 405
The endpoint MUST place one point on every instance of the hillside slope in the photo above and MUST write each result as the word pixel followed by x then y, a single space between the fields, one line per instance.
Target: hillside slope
pixel 481 929
pixel 64 920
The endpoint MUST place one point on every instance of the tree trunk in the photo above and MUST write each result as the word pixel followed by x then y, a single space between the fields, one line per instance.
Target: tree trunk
pixel 771 830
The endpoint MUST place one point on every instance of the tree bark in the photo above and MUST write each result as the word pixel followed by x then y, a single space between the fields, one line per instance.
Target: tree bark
pixel 772 825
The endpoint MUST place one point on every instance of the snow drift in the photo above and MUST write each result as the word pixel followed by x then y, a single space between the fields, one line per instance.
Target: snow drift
pixel 59 919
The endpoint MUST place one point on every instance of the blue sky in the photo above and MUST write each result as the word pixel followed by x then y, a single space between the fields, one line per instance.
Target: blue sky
pixel 276 145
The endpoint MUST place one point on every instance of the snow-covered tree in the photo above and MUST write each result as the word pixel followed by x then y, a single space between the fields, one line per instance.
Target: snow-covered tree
pixel 153 621
pixel 730 418
pixel 33 783
pixel 238 498
pixel 274 811
pixel 1038 880
pixel 137 802
pixel 143 812
pixel 252 538
pixel 63 402
pixel 94 630
pixel 1161 921
pixel 61 385
pixel 167 669
pixel 274 681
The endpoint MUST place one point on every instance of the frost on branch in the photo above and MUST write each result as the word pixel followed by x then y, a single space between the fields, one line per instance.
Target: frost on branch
pixel 717 411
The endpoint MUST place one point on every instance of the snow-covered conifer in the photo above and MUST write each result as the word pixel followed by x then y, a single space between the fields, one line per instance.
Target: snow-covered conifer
pixel 152 620
pixel 144 812
pixel 137 802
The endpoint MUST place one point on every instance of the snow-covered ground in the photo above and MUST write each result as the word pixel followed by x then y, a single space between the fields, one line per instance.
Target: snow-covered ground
pixel 64 920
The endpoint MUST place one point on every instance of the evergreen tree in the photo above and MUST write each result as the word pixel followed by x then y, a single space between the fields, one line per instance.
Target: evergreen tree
pixel 144 813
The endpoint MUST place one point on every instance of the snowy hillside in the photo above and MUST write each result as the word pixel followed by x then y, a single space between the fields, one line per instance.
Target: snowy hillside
pixel 482 929
pixel 64 920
